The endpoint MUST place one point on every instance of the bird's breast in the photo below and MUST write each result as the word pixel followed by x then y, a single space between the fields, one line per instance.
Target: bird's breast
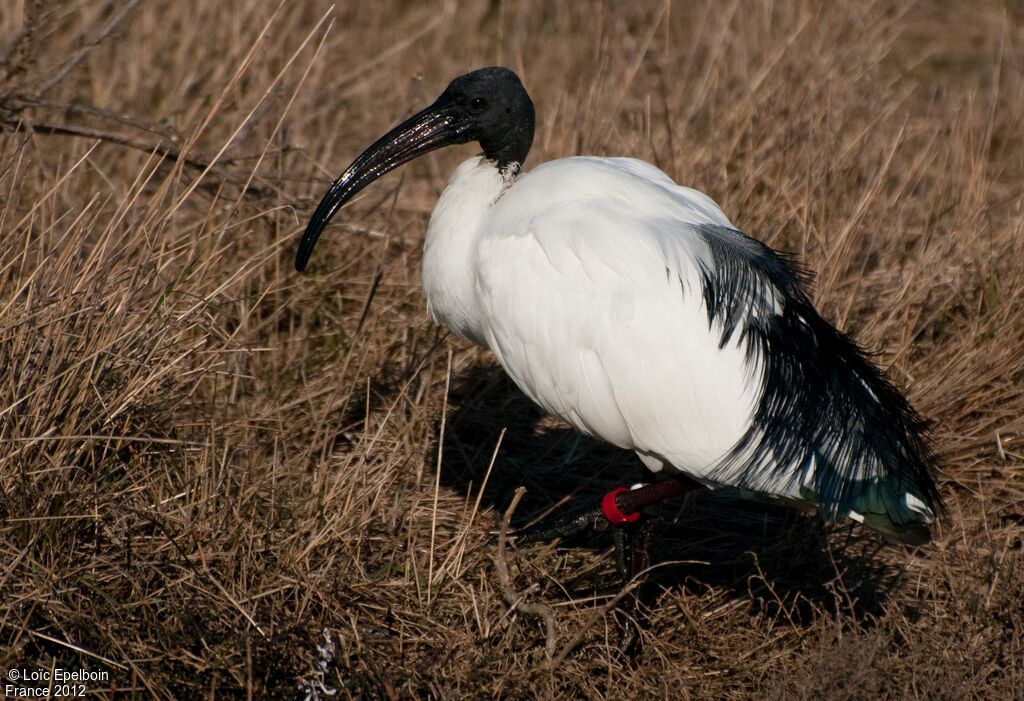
pixel 450 250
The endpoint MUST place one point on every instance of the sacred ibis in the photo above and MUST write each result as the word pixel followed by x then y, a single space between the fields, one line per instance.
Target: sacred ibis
pixel 631 307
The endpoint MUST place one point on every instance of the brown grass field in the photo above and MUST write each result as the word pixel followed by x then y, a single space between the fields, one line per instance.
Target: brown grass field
pixel 210 464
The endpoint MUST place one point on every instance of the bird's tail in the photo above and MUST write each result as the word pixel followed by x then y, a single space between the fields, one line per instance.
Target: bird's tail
pixel 903 520
pixel 829 427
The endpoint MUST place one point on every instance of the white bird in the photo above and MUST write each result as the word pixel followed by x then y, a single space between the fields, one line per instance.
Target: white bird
pixel 631 307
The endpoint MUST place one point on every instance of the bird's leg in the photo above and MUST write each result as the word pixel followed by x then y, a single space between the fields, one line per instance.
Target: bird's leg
pixel 633 558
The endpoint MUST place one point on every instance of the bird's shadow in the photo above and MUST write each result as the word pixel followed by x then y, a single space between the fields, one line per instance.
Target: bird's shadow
pixel 786 562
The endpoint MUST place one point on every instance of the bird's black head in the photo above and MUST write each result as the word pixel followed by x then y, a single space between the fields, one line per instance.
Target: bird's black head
pixel 489 105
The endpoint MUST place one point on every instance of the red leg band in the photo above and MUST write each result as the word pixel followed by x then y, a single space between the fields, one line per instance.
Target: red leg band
pixel 610 507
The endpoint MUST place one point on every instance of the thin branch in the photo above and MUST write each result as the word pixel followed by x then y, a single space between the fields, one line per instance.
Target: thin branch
pixel 32 21
pixel 18 103
pixel 517 599
pixel 593 619
pixel 12 45
pixel 169 152
pixel 76 58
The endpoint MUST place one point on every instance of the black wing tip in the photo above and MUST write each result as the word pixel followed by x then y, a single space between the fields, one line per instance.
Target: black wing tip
pixel 912 532
pixel 813 367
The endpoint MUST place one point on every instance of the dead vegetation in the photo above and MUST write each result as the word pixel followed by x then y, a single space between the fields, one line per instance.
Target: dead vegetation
pixel 220 479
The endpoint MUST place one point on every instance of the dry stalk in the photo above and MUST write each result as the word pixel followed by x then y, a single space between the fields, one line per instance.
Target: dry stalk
pixel 517 599
pixel 594 617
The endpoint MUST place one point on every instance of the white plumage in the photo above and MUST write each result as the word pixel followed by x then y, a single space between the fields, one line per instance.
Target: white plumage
pixel 582 277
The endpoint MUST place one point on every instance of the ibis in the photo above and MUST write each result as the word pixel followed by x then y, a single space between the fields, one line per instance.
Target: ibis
pixel 633 308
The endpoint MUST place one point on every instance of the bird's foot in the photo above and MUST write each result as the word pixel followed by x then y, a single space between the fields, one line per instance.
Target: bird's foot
pixel 563 525
pixel 628 645
pixel 633 559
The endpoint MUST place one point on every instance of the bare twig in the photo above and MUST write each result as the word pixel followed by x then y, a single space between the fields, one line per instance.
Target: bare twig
pixel 12 45
pixel 577 638
pixel 20 102
pixel 159 147
pixel 517 599
pixel 60 73
pixel 30 25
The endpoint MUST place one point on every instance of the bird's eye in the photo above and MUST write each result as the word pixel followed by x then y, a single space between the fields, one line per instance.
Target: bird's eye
pixel 477 104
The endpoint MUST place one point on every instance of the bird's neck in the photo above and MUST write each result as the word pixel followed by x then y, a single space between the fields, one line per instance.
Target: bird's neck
pixel 449 254
pixel 509 150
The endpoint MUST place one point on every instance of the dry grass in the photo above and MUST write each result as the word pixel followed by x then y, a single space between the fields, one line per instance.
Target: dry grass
pixel 207 460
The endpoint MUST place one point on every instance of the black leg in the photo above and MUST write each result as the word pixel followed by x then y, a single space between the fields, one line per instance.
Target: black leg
pixel 633 557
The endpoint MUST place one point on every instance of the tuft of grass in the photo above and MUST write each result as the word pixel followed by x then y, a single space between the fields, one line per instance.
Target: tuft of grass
pixel 219 479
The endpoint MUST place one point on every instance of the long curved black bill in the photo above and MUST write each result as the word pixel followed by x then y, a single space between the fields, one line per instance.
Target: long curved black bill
pixel 430 129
